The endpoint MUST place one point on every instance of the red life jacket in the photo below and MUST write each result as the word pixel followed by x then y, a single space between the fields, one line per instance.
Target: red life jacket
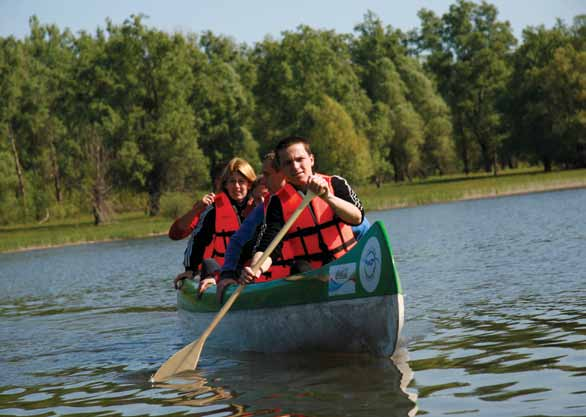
pixel 227 223
pixel 317 236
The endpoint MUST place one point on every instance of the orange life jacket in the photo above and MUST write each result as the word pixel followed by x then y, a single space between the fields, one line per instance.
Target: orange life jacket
pixel 317 236
pixel 227 223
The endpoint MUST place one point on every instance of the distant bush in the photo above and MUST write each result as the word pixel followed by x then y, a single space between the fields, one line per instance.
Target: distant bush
pixel 124 201
pixel 175 204
pixel 8 213
pixel 65 210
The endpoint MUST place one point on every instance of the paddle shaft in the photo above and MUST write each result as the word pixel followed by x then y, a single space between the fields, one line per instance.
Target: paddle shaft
pixel 188 357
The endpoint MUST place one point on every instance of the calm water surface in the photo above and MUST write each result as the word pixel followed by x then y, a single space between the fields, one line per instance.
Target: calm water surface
pixel 495 295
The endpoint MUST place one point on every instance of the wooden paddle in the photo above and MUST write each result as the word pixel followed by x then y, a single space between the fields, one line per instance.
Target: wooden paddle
pixel 188 357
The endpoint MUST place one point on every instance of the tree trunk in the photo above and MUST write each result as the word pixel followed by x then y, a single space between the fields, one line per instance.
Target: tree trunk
pixel 55 172
pixel 495 167
pixel 486 156
pixel 155 182
pixel 464 152
pixel 100 207
pixel 20 193
pixel 462 143
pixel 397 169
pixel 546 164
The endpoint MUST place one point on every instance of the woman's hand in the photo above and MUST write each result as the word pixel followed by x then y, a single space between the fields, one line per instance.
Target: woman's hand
pixel 208 199
pixel 205 201
pixel 205 284
pixel 178 281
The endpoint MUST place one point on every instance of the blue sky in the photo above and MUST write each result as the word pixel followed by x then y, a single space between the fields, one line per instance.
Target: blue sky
pixel 250 20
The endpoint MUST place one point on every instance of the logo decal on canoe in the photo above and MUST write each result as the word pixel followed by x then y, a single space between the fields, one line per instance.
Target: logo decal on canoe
pixel 370 265
pixel 342 280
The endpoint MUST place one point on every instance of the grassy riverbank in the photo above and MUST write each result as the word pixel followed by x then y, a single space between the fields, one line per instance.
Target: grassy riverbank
pixel 429 191
pixel 80 230
pixel 475 186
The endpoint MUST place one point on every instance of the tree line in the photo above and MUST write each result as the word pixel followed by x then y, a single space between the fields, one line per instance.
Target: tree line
pixel 131 109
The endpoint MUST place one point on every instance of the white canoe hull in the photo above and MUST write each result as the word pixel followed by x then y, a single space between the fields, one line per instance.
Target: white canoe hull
pixel 370 325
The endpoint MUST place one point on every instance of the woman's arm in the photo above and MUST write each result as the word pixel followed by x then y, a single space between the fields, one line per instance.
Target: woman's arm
pixel 183 226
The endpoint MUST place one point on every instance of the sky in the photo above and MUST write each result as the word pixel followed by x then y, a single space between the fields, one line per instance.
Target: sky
pixel 249 21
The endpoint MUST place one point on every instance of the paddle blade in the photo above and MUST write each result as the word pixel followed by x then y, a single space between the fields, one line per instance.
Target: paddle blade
pixel 184 360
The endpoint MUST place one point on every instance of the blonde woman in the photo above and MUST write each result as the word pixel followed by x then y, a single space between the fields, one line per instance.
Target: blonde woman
pixel 209 240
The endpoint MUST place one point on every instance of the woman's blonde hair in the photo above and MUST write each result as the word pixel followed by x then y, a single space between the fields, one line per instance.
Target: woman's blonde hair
pixel 238 165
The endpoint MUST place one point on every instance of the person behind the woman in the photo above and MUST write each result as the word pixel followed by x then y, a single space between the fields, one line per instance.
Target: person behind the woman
pixel 209 240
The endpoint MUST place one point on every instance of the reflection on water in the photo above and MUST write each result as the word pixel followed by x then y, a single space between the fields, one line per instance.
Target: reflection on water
pixel 296 385
pixel 495 297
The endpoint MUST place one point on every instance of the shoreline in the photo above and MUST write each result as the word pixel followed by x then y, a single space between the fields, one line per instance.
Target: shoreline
pixel 81 242
pixel 480 196
pixel 490 195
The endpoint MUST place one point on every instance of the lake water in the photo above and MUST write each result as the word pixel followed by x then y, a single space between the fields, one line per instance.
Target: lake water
pixel 495 297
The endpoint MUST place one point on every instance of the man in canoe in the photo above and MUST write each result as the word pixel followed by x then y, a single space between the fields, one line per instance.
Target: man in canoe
pixel 241 244
pixel 323 231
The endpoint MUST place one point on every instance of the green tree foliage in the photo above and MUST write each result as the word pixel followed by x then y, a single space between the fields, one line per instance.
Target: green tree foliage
pixel 437 152
pixel 130 109
pixel 418 128
pixel 468 52
pixel 298 71
pixel 407 141
pixel 154 76
pixel 51 64
pixel 12 73
pixel 223 102
pixel 337 146
pixel 380 135
pixel 548 96
pixel 34 84
pixel 95 121
pixel 565 84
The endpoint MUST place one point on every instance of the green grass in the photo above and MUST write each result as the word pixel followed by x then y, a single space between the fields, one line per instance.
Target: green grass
pixel 461 187
pixel 428 191
pixel 63 232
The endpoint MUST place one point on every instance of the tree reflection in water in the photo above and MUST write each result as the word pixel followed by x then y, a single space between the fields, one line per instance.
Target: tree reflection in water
pixel 300 385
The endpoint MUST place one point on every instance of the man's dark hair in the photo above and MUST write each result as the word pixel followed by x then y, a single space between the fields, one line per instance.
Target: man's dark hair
pixel 291 140
pixel 271 156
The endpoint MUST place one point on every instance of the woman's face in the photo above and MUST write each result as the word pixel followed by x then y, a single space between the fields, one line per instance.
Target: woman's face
pixel 237 186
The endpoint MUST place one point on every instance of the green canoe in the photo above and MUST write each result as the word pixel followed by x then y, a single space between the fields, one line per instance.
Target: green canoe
pixel 353 304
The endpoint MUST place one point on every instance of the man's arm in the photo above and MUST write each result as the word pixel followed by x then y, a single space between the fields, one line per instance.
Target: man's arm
pixel 273 224
pixel 343 201
pixel 242 236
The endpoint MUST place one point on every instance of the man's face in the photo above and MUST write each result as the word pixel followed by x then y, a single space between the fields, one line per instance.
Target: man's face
pixel 296 164
pixel 272 178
